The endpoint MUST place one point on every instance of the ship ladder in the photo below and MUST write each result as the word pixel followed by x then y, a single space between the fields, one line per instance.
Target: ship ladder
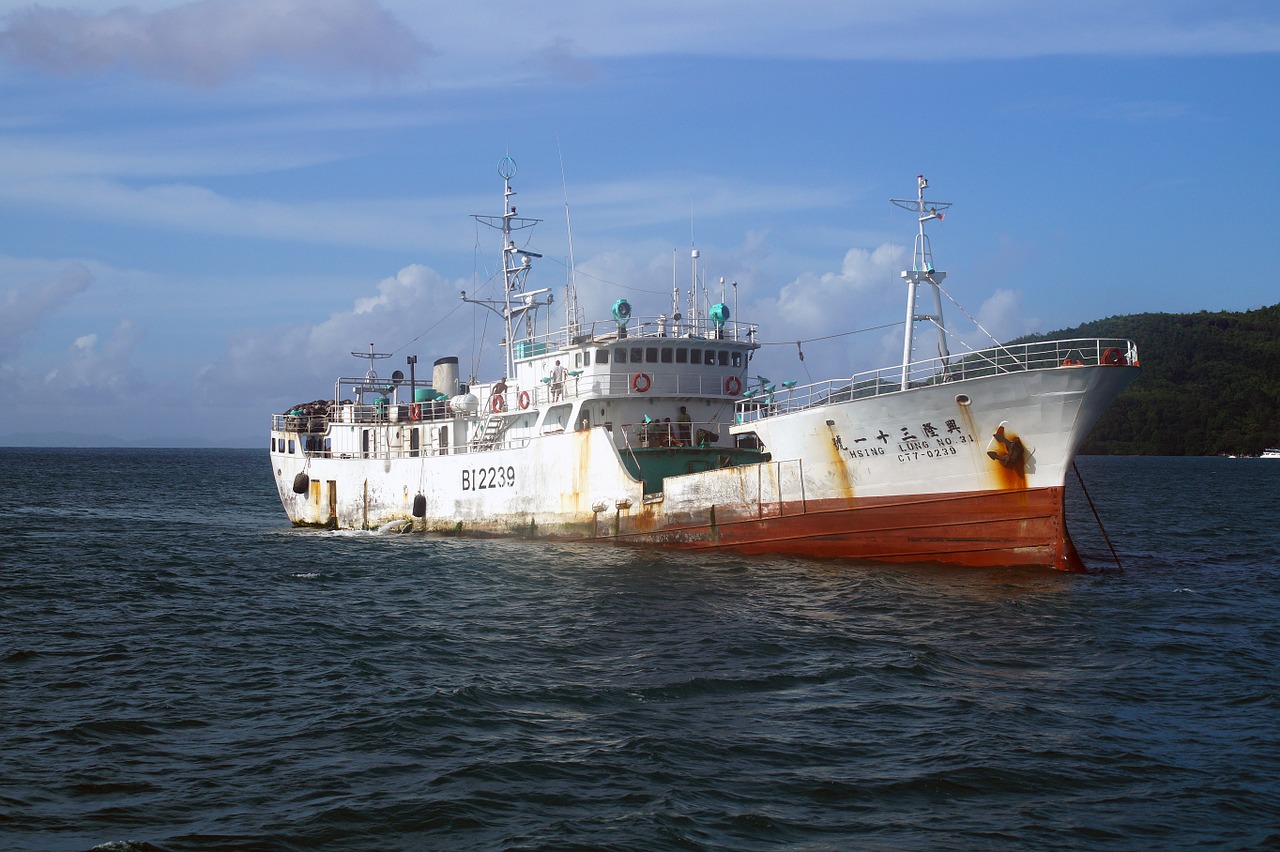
pixel 489 432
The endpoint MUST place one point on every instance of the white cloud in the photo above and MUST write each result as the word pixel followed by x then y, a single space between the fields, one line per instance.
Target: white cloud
pixel 853 29
pixel 208 42
pixel 24 307
pixel 378 223
pixel 416 311
pixel 106 368
pixel 1002 315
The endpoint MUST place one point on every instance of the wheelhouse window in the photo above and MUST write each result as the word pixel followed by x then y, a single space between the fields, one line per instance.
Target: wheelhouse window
pixel 682 356
pixel 666 355
pixel 737 359
pixel 651 354
pixel 695 356
pixel 636 355
pixel 602 356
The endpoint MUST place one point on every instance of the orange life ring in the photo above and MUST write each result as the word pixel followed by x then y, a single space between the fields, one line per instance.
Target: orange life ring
pixel 1113 358
pixel 641 382
pixel 497 403
pixel 524 399
pixel 733 386
pixel 415 411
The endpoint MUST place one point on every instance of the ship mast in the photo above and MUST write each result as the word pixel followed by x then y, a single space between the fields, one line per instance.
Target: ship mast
pixel 922 271
pixel 517 303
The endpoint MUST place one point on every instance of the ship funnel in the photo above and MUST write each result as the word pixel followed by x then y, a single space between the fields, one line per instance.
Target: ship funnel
pixel 444 376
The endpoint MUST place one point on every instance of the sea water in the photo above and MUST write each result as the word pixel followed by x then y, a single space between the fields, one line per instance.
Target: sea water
pixel 180 669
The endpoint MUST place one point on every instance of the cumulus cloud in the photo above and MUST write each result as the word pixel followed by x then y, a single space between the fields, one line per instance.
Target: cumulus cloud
pixel 815 304
pixel 209 42
pixel 25 307
pixel 107 367
pixel 1002 315
pixel 415 311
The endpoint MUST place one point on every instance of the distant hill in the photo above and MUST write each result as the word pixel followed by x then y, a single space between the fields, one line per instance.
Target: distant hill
pixel 1210 384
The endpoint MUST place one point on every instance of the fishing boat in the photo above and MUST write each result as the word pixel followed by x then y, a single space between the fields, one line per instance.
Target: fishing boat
pixel 652 431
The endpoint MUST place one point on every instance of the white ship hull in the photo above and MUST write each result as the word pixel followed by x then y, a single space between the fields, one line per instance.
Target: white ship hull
pixel 905 476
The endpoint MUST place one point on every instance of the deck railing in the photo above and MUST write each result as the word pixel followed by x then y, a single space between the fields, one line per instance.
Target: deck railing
pixel 637 328
pixel 1023 357
pixel 656 434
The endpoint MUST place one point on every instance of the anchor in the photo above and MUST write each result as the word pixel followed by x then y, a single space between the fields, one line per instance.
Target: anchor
pixel 1008 451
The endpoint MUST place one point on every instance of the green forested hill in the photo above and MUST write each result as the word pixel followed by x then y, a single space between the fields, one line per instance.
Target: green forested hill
pixel 1210 384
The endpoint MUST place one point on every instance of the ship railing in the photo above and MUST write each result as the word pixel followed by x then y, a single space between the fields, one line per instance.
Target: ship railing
pixel 384 450
pixel 304 423
pixel 637 328
pixel 1018 358
pixel 640 380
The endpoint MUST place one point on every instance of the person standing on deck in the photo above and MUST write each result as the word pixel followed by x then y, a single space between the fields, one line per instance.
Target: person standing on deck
pixel 558 376
pixel 683 426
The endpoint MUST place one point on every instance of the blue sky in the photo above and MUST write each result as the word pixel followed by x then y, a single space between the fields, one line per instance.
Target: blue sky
pixel 206 206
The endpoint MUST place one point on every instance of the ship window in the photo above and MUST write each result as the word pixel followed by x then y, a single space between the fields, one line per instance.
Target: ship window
pixel 666 355
pixel 723 358
pixel 737 359
pixel 682 356
pixel 695 356
pixel 602 356
pixel 651 354
pixel 635 355
pixel 290 446
pixel 577 360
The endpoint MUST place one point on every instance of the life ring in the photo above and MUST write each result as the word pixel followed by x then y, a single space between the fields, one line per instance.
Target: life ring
pixel 1113 358
pixel 497 403
pixel 732 386
pixel 415 411
pixel 524 399
pixel 641 382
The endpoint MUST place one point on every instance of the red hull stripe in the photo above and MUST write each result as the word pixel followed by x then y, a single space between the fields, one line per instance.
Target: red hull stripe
pixel 980 529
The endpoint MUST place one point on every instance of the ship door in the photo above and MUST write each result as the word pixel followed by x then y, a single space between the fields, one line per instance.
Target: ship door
pixel 333 502
pixel 364 442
